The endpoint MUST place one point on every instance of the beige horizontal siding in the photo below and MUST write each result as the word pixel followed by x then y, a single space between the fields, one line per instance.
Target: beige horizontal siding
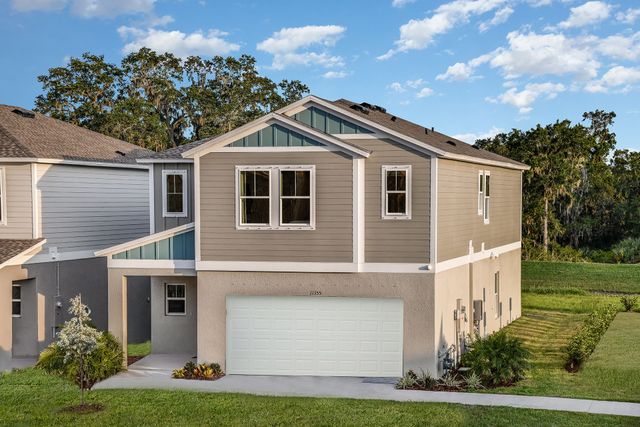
pixel 458 219
pixel 331 241
pixel 19 210
pixel 398 241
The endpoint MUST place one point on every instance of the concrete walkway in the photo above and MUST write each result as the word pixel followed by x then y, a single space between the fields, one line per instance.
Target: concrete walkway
pixel 154 372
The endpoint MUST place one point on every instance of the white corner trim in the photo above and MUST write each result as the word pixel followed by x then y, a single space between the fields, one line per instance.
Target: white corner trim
pixel 151 263
pixel 24 256
pixel 196 205
pixel 35 217
pixel 185 193
pixel 433 217
pixel 477 256
pixel 144 240
pixel 152 201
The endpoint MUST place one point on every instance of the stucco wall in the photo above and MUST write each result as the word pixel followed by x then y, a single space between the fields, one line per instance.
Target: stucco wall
pixel 169 333
pixel 25 327
pixel 7 276
pixel 415 289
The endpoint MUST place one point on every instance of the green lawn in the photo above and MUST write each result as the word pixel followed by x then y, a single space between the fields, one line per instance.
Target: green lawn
pixel 587 276
pixel 141 349
pixel 30 397
pixel 567 302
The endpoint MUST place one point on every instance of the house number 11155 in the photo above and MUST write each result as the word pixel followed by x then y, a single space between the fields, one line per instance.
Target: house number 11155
pixel 315 293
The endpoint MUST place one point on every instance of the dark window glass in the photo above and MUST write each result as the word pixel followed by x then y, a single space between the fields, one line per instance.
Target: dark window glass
pixel 255 211
pixel 296 196
pixel 15 308
pixel 396 203
pixel 175 193
pixel 288 183
pixel 254 183
pixel 488 186
pixel 295 183
pixel 176 306
pixel 15 292
pixel 175 291
pixel 396 180
pixel 296 211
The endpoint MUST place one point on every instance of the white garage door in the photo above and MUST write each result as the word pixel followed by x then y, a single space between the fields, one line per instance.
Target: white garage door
pixel 314 336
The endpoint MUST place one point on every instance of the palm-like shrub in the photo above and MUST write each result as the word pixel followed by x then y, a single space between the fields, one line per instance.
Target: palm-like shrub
pixel 498 359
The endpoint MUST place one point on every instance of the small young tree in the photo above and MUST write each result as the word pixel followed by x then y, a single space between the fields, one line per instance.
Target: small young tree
pixel 78 339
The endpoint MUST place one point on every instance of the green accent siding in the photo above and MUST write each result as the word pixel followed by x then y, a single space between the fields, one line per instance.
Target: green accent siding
pixel 181 246
pixel 275 136
pixel 327 122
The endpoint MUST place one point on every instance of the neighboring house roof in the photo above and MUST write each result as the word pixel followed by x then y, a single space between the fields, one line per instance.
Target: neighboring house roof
pixel 176 152
pixel 29 135
pixel 11 248
pixel 433 138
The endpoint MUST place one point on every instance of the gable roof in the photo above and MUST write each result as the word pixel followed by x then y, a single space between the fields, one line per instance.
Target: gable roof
pixel 12 248
pixel 30 135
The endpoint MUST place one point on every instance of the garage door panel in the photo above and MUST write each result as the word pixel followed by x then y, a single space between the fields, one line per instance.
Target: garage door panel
pixel 314 336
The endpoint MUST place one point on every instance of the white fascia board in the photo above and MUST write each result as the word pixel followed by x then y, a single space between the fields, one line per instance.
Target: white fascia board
pixel 72 162
pixel 171 264
pixel 144 240
pixel 24 256
pixel 61 256
pixel 477 256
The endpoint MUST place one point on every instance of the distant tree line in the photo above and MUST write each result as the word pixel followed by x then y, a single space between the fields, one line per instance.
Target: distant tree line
pixel 581 196
pixel 159 101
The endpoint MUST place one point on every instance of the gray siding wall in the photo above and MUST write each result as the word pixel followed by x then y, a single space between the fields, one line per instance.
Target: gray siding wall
pixel 18 202
pixel 458 219
pixel 161 223
pixel 173 334
pixel 331 241
pixel 396 240
pixel 88 208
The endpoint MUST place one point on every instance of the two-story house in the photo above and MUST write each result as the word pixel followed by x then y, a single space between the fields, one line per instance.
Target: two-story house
pixel 327 238
pixel 65 192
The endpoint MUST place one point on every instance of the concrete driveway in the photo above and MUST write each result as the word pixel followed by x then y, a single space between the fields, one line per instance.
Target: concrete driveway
pixel 154 372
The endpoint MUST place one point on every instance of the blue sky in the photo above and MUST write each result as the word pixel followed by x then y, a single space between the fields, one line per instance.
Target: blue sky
pixel 468 67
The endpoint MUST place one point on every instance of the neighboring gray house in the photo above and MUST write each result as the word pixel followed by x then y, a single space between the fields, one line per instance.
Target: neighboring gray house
pixel 327 238
pixel 65 192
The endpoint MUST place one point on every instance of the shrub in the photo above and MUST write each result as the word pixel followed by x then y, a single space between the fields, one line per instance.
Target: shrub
pixel 425 381
pixel 627 251
pixel 473 382
pixel 408 381
pixel 450 381
pixel 629 302
pixel 602 256
pixel 498 359
pixel 202 371
pixel 582 344
pixel 106 360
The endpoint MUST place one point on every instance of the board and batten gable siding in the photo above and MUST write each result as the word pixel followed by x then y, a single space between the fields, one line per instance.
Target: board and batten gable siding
pixel 88 208
pixel 19 209
pixel 331 241
pixel 458 218
pixel 164 223
pixel 401 240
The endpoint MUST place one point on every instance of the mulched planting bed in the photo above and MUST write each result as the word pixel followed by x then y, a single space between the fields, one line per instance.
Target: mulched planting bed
pixel 133 359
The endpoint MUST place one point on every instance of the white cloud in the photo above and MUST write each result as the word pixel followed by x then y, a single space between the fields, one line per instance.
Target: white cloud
pixel 539 3
pixel 291 46
pixel 408 84
pixel 615 78
pixel 87 8
pixel 414 84
pixel 179 43
pixel 401 3
pixel 335 74
pixel 586 14
pixel 457 72
pixel 424 92
pixel 629 16
pixel 500 17
pixel 419 33
pixel 160 21
pixel 397 87
pixel 472 137
pixel 619 47
pixel 524 99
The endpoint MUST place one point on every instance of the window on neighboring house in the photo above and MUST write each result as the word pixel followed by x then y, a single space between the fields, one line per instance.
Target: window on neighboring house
pixel 16 300
pixel 480 192
pixel 396 192
pixel 496 285
pixel 175 299
pixel 255 197
pixel 487 196
pixel 174 193
pixel 295 196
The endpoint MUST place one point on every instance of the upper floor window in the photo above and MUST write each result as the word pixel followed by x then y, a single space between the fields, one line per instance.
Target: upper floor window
pixel 174 193
pixel 292 189
pixel 484 194
pixel 16 300
pixel 396 192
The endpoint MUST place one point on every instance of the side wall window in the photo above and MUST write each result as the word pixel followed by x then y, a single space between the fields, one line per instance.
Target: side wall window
pixel 496 285
pixel 174 193
pixel 396 192
pixel 175 299
pixel 484 194
pixel 16 300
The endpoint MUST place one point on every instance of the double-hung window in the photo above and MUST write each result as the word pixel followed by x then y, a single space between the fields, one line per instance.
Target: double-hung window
pixel 16 300
pixel 484 195
pixel 496 293
pixel 295 196
pixel 255 197
pixel 396 192
pixel 174 193
pixel 175 299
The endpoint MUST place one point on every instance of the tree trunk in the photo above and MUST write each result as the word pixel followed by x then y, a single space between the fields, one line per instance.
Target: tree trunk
pixel 545 229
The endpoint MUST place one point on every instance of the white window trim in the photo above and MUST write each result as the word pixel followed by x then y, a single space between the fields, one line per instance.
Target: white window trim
pixel 480 192
pixel 496 292
pixel 384 208
pixel 3 196
pixel 167 298
pixel 16 300
pixel 184 213
pixel 275 210
pixel 486 216
pixel 312 197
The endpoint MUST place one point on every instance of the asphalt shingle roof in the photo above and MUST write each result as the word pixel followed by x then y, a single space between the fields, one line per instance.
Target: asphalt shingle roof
pixel 43 137
pixel 12 247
